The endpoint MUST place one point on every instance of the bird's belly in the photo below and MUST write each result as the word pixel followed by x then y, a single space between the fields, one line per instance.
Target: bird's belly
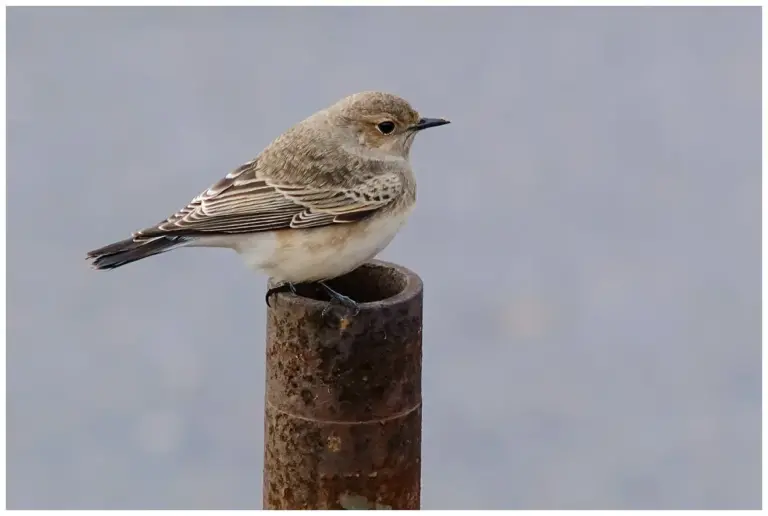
pixel 319 253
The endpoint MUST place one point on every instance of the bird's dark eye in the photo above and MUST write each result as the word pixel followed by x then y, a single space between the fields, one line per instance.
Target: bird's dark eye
pixel 386 127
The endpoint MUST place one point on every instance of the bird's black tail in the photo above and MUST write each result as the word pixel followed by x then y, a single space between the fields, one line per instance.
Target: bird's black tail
pixel 126 251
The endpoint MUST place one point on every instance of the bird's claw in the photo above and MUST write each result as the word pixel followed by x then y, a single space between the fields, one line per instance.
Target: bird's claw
pixel 282 287
pixel 339 299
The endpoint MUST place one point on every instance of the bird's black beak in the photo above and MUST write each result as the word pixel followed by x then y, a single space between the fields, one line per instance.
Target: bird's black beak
pixel 426 123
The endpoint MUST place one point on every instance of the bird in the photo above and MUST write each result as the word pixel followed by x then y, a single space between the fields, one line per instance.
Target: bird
pixel 324 197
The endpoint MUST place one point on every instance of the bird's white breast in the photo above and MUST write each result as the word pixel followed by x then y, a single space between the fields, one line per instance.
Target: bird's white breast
pixel 299 255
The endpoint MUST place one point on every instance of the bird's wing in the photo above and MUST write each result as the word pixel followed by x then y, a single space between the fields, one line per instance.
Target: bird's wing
pixel 245 202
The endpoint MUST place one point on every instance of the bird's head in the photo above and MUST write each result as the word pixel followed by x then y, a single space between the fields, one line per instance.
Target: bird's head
pixel 381 123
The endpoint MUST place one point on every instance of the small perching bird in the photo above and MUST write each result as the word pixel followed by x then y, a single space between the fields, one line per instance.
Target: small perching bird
pixel 322 199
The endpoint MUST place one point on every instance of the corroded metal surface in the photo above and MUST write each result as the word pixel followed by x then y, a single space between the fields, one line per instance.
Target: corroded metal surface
pixel 343 397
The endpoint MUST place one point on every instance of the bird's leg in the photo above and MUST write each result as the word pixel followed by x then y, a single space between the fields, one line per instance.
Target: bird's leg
pixel 282 287
pixel 341 299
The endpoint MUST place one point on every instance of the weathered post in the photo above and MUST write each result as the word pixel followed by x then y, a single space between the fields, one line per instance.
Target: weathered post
pixel 342 422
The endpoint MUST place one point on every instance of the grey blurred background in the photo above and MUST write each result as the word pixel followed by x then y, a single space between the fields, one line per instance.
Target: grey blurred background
pixel 588 232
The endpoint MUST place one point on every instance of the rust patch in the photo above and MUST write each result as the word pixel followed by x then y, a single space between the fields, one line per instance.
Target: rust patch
pixel 334 443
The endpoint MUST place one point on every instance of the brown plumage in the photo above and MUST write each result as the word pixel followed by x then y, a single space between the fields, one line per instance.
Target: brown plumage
pixel 343 167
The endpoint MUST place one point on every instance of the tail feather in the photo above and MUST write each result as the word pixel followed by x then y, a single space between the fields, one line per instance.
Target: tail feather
pixel 126 251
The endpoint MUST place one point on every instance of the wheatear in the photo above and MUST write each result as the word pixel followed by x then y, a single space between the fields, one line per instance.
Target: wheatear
pixel 322 199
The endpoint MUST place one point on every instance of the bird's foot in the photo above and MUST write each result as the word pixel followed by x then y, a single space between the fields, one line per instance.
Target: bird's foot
pixel 285 286
pixel 338 299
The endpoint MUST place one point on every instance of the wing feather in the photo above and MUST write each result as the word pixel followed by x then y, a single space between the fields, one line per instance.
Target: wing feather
pixel 246 202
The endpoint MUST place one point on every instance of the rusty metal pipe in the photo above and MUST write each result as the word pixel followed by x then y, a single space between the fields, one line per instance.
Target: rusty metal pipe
pixel 342 421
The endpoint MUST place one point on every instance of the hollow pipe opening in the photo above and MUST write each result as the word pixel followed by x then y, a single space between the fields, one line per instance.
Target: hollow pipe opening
pixel 371 284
